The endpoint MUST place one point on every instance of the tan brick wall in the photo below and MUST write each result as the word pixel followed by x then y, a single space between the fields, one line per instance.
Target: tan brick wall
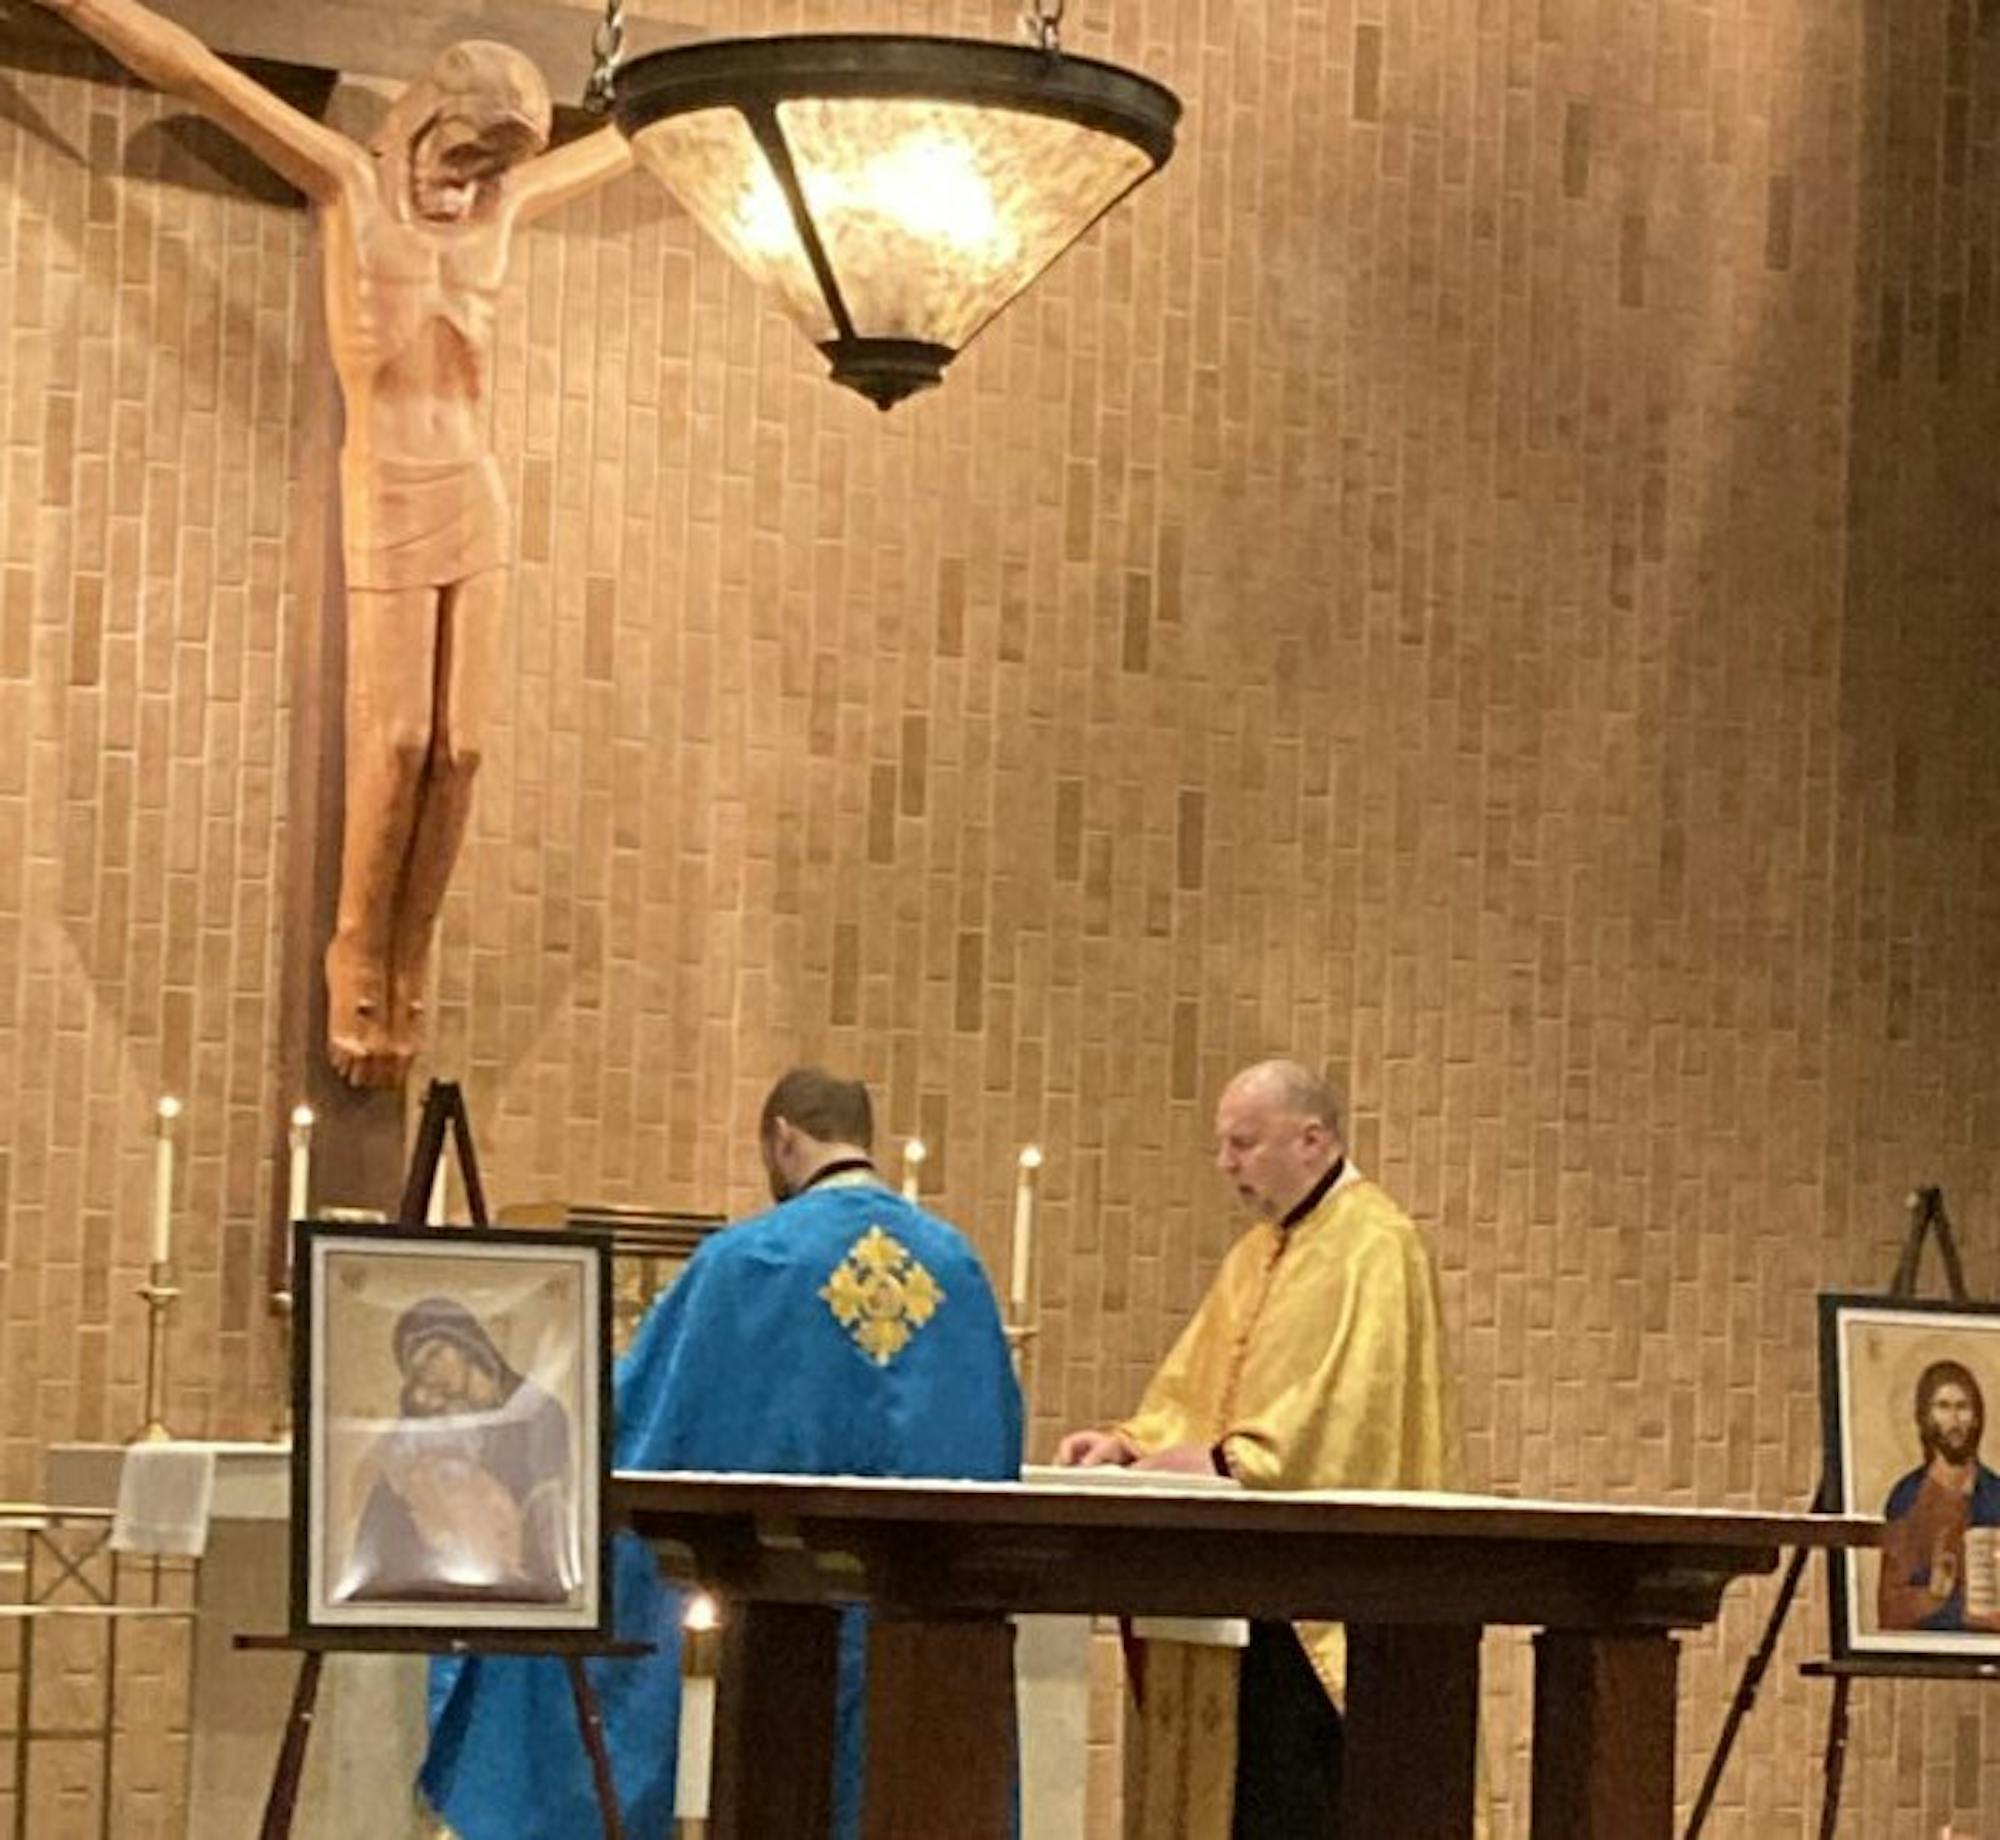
pixel 1914 998
pixel 1398 594
pixel 150 327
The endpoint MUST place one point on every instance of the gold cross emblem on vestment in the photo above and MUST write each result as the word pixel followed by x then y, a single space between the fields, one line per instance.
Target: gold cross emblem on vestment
pixel 881 1295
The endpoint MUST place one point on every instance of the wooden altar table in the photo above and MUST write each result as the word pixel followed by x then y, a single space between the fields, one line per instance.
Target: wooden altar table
pixel 1415 1578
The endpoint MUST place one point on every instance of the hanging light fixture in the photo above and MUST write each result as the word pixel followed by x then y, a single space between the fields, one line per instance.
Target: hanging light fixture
pixel 894 192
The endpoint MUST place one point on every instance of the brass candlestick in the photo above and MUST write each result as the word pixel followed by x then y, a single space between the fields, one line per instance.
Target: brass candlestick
pixel 1020 1336
pixel 281 1419
pixel 159 1294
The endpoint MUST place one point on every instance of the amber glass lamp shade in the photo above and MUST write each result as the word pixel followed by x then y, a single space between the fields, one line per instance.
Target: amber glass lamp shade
pixel 894 193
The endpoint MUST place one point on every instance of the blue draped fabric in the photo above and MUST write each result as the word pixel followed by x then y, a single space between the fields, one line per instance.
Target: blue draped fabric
pixel 845 1333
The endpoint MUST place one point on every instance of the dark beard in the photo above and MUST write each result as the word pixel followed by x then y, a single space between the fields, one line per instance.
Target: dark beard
pixel 1959 1450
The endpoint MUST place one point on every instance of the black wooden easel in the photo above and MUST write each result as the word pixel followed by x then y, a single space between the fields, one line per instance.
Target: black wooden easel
pixel 444 1108
pixel 1928 1221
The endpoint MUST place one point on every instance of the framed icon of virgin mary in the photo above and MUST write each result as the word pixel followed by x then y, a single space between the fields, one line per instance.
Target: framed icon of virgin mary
pixel 451 1411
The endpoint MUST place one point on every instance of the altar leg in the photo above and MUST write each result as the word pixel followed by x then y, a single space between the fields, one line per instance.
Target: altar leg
pixel 774 1701
pixel 1604 1736
pixel 940 1730
pixel 1409 1762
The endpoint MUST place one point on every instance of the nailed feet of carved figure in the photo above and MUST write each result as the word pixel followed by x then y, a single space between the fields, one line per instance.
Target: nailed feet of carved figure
pixel 361 1036
pixel 409 1019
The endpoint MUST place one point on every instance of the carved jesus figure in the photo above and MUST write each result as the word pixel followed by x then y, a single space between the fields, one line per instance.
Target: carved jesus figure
pixel 417 229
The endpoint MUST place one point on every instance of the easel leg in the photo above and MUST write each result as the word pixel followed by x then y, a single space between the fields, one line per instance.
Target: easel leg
pixel 431 1126
pixel 468 1161
pixel 591 1721
pixel 444 1111
pixel 1836 1758
pixel 1746 1691
pixel 284 1798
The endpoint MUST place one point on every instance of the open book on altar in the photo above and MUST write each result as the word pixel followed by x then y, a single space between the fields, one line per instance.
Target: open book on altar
pixel 1124 1476
pixel 1205 1631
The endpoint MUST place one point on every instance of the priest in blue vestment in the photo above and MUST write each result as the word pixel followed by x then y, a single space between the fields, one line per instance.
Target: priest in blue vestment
pixel 844 1333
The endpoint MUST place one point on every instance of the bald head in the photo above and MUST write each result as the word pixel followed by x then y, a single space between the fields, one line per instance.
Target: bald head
pixel 1293 1087
pixel 1277 1132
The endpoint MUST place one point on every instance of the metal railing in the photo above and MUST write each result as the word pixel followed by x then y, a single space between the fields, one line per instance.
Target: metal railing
pixel 64 1572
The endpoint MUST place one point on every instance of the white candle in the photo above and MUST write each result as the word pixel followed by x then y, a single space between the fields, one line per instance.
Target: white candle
pixel 697 1744
pixel 695 1764
pixel 1024 1229
pixel 298 1193
pixel 913 1163
pixel 164 1115
pixel 434 1214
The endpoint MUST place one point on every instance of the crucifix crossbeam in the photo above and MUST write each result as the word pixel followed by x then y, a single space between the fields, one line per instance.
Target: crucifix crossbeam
pixel 396 39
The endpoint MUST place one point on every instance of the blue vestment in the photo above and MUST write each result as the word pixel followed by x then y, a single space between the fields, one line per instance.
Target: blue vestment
pixel 845 1333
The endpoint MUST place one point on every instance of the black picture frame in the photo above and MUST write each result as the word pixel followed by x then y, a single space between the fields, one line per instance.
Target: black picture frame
pixel 1925 1597
pixel 452 1430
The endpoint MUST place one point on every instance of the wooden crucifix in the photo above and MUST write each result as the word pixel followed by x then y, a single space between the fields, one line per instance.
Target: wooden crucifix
pixel 417 228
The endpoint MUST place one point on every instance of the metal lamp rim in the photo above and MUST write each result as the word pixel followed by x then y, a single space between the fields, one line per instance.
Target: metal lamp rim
pixel 761 73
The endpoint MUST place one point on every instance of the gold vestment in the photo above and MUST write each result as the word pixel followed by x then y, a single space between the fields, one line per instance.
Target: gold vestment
pixel 1316 1361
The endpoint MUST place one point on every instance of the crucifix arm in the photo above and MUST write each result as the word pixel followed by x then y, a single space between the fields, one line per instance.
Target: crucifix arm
pixel 552 179
pixel 313 157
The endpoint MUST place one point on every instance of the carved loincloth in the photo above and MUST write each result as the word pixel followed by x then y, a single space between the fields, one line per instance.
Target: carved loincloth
pixel 421 524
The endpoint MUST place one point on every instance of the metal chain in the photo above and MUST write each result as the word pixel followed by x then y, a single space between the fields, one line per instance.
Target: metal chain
pixel 1042 22
pixel 607 45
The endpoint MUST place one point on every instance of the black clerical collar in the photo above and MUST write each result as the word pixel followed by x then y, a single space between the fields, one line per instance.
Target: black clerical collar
pixel 1315 1196
pixel 840 1166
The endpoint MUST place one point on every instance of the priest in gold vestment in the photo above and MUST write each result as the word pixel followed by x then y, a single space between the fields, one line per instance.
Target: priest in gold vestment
pixel 1316 1361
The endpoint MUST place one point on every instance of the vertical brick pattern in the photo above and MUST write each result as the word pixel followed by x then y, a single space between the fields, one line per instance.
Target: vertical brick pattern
pixel 150 350
pixel 150 343
pixel 1915 992
pixel 1395 594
